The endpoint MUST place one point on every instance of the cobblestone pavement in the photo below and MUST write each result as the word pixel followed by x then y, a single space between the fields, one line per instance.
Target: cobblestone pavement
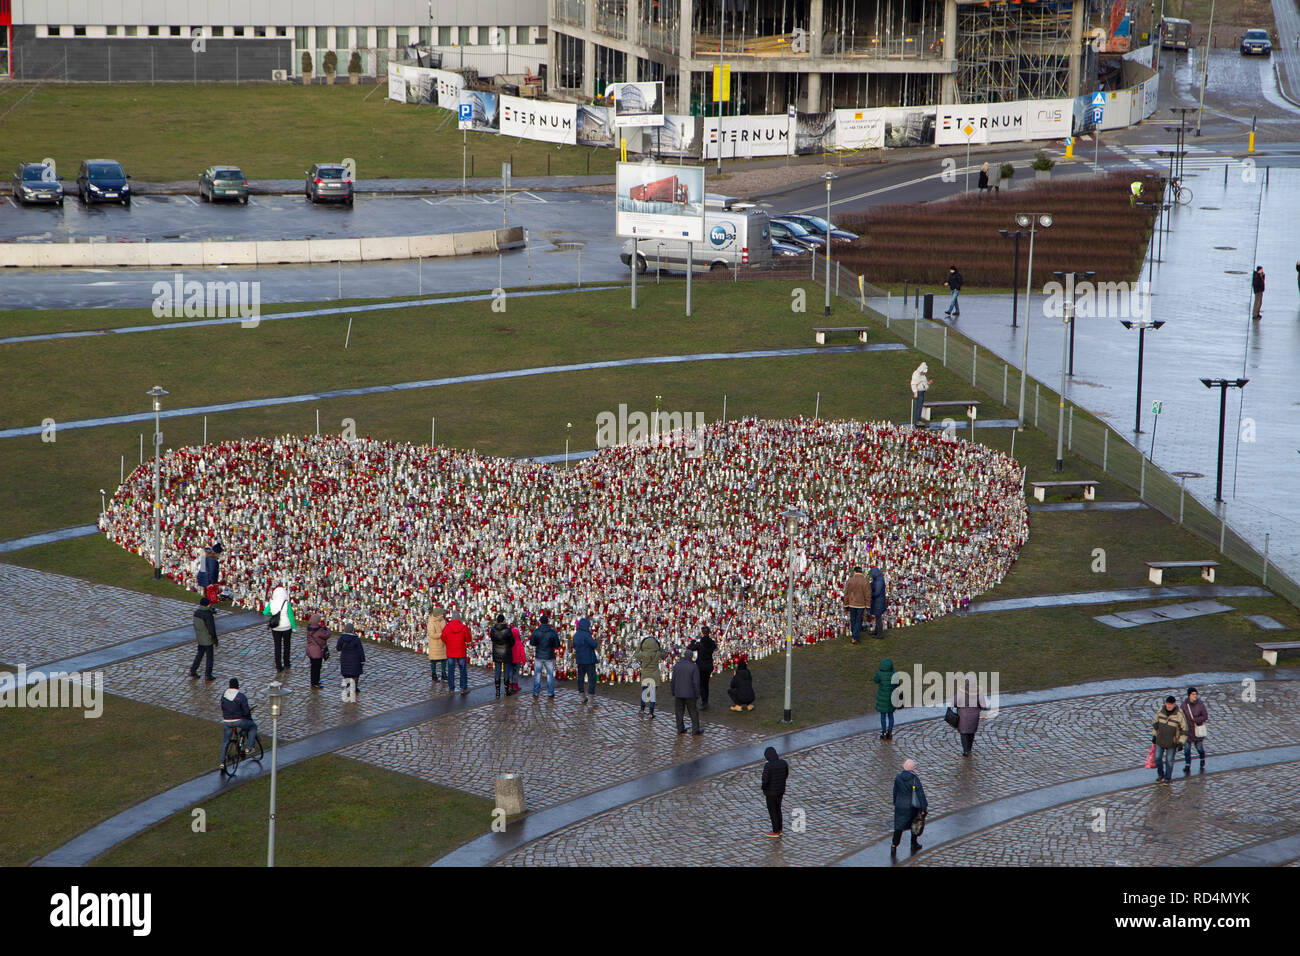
pixel 1195 820
pixel 49 616
pixel 843 788
pixel 392 678
pixel 562 748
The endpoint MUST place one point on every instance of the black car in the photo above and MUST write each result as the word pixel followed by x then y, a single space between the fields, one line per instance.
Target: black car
pixel 329 182
pixel 1256 41
pixel 796 235
pixel 36 182
pixel 103 180
pixel 817 226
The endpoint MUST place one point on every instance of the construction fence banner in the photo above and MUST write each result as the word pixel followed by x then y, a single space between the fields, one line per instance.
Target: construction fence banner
pixel 678 135
pixel 396 83
pixel 654 201
pixel 859 129
pixel 543 120
pixel 596 127
pixel 638 104
pixel 449 86
pixel 479 111
pixel 746 136
pixel 987 122
pixel 907 126
pixel 1118 108
pixel 1049 119
pixel 1150 93
pixel 813 132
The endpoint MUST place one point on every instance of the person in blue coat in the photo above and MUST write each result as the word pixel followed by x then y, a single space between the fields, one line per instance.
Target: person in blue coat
pixel 909 801
pixel 878 603
pixel 584 656
pixel 352 656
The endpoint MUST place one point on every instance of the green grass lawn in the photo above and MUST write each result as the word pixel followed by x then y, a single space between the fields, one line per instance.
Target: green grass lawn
pixel 330 811
pixel 174 131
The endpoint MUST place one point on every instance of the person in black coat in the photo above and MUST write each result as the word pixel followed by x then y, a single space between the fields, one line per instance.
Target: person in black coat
pixel 704 647
pixel 775 772
pixel 503 647
pixel 741 691
pixel 352 656
pixel 878 603
pixel 205 636
pixel 909 802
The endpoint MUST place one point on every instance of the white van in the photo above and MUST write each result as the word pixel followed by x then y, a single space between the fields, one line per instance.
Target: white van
pixel 731 238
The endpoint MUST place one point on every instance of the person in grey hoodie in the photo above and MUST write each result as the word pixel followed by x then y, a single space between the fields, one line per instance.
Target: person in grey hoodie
pixel 205 635
pixel 686 688
pixel 584 656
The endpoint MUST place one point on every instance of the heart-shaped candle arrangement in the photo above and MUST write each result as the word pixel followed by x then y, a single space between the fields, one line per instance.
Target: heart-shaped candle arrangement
pixel 643 539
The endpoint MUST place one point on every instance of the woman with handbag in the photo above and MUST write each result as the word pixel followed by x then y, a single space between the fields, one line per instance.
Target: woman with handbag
pixel 318 648
pixel 281 623
pixel 910 806
pixel 1195 713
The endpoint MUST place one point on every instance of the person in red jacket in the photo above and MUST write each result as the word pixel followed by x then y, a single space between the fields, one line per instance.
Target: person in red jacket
pixel 457 637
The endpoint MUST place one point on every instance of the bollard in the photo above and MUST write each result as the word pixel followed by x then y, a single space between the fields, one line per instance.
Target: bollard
pixel 1225 174
pixel 1142 480
pixel 1005 370
pixel 1069 441
pixel 510 793
pixel 974 363
pixel 1105 448
pixel 1265 580
pixel 1251 147
pixel 945 346
pixel 1035 404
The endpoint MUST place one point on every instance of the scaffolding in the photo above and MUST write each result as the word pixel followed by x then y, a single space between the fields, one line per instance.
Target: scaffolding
pixel 1014 51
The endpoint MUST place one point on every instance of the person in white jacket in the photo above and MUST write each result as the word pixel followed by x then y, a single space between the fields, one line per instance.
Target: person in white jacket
pixel 282 623
pixel 919 385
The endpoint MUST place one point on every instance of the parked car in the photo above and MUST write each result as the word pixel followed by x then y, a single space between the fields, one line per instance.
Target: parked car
pixel 817 226
pixel 784 249
pixel 36 182
pixel 223 182
pixel 1256 41
pixel 794 233
pixel 329 182
pixel 103 180
pixel 730 239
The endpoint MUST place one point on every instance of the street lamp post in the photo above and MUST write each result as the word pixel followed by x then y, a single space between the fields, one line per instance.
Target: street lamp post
pixel 1142 333
pixel 1205 70
pixel 792 518
pixel 1068 280
pixel 1030 221
pixel 1015 268
pixel 1222 384
pixel 567 429
pixel 278 693
pixel 829 178
pixel 156 393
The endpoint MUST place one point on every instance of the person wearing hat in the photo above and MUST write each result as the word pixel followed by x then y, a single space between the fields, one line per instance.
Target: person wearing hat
pixel 205 635
pixel 909 802
pixel 775 773
pixel 437 620
pixel 919 386
pixel 1170 732
pixel 318 647
pixel 856 595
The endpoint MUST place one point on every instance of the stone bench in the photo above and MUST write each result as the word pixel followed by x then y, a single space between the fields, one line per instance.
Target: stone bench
pixel 1088 485
pixel 1157 569
pixel 971 406
pixel 1269 651
pixel 860 330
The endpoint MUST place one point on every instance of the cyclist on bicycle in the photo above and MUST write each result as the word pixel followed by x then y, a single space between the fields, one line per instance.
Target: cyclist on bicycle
pixel 236 715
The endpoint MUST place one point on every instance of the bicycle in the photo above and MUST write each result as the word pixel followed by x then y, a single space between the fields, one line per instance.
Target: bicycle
pixel 237 750
pixel 1180 193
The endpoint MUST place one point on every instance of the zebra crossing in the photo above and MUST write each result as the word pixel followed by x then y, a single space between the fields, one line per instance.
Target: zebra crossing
pixel 1147 157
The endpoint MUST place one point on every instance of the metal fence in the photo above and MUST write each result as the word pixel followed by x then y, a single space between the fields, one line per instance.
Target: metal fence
pixel 1084 435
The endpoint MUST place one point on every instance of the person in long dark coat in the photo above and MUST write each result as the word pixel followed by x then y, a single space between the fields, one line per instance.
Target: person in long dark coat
pixel 775 772
pixel 885 698
pixel 969 704
pixel 704 647
pixel 352 656
pixel 909 800
pixel 878 602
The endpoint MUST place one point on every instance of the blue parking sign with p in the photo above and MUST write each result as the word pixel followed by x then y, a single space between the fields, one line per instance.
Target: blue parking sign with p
pixel 466 111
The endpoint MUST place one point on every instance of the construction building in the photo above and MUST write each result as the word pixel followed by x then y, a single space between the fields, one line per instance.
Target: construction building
pixel 817 55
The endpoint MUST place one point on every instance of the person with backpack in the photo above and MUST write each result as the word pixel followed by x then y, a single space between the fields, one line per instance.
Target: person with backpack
pixel 909 803
pixel 741 691
pixel 281 623
pixel 503 648
pixel 953 282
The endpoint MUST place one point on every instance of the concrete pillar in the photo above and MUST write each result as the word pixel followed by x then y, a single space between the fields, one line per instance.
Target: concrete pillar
pixel 948 87
pixel 812 101
pixel 552 61
pixel 815 30
pixel 510 793
pixel 589 65
pixel 634 21
pixel 684 91
pixel 685 52
pixel 1076 46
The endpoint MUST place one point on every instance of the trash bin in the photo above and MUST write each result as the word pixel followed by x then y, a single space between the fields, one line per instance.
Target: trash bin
pixel 927 311
pixel 510 793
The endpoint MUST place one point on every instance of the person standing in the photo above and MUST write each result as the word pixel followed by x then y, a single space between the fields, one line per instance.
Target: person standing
pixel 1257 286
pixel 969 704
pixel 518 658
pixel 205 636
pixel 954 280
pixel 545 643
pixel 282 623
pixel 318 648
pixel 1170 733
pixel 584 657
pixel 885 698
pixel 878 603
pixel 741 691
pixel 1195 714
pixel 648 655
pixel 457 638
pixel 503 648
pixel 704 647
pixel 856 597
pixel 686 688
pixel 919 386
pixel 909 803
pixel 352 656
pixel 437 648
pixel 775 773
pixel 984 179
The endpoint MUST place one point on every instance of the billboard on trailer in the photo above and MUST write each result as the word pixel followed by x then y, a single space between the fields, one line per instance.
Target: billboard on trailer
pixel 655 200
pixel 638 104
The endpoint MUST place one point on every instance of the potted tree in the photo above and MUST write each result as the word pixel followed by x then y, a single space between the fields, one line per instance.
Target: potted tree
pixel 1005 172
pixel 354 68
pixel 306 68
pixel 331 65
pixel 1042 166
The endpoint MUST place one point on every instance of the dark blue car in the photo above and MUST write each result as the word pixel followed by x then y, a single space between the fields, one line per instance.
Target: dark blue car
pixel 103 180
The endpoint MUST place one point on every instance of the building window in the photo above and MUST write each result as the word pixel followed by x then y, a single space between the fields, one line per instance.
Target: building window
pixel 424 36
pixel 464 36
pixel 541 35
pixel 568 62
pixel 260 31
pixel 322 37
pixel 444 36
pixel 300 39
pixel 341 41
pixel 381 37
pixel 78 31
pixel 403 37
pixel 154 31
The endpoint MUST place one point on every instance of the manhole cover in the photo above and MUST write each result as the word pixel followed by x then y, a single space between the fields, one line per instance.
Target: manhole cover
pixel 1226 248
pixel 1258 819
pixel 1210 208
pixel 1234 272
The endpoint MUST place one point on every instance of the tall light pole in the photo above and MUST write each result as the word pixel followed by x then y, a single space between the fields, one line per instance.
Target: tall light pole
pixel 1068 279
pixel 792 518
pixel 278 693
pixel 1142 333
pixel 156 393
pixel 722 83
pixel 829 178
pixel 1222 384
pixel 1032 222
pixel 1015 268
pixel 1205 69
